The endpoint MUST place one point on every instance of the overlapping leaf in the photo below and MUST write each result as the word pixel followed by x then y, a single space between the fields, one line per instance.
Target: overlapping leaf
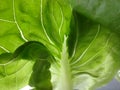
pixel 105 12
pixel 46 45
pixel 22 21
pixel 94 58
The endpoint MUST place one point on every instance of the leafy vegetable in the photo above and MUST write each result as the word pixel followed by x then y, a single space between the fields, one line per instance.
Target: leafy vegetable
pixel 57 44
pixel 105 12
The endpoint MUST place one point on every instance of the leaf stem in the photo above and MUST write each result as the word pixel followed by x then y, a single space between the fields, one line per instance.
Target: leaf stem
pixel 66 83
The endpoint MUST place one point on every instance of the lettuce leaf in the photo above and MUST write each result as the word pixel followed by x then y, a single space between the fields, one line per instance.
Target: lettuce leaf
pixel 103 11
pixel 57 45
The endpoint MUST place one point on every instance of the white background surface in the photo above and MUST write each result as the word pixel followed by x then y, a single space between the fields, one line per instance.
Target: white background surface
pixel 113 85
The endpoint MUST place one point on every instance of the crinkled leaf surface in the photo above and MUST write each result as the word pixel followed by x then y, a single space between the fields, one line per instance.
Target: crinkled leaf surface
pixel 46 45
pixel 94 60
pixel 23 21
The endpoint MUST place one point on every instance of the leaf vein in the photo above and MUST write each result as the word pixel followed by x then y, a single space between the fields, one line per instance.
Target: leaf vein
pixel 85 51
pixel 4 20
pixel 41 7
pixel 20 30
pixel 3 48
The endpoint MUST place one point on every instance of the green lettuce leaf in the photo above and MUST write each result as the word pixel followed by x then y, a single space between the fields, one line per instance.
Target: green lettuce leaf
pixel 95 56
pixel 16 69
pixel 47 45
pixel 24 21
pixel 103 11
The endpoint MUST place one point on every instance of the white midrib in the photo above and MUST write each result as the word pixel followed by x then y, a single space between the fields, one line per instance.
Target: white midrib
pixel 65 72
